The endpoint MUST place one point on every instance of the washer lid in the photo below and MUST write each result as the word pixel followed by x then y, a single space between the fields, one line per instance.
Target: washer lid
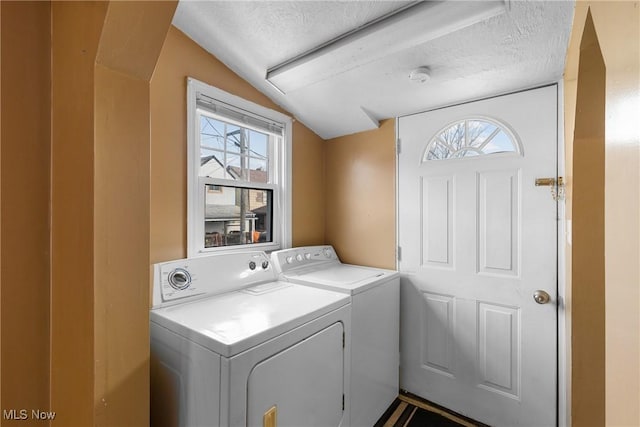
pixel 237 321
pixel 345 278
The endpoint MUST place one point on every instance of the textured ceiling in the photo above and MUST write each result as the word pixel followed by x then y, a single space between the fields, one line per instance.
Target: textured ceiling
pixel 521 48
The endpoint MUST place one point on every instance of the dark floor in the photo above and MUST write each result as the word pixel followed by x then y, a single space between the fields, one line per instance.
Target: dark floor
pixel 409 410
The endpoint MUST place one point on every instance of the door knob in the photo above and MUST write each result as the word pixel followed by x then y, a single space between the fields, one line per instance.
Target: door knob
pixel 541 297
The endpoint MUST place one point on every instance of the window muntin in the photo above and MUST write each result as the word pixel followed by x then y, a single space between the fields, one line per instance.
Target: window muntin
pixel 471 138
pixel 238 173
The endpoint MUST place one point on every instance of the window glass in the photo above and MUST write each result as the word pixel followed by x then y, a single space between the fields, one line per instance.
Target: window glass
pixel 479 132
pixel 471 138
pixel 501 143
pixel 211 133
pixel 258 169
pixel 258 144
pixel 231 152
pixel 237 216
pixel 235 138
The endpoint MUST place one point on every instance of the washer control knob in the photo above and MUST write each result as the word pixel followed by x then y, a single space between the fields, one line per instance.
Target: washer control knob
pixel 252 265
pixel 299 257
pixel 307 255
pixel 327 252
pixel 289 259
pixel 265 265
pixel 179 279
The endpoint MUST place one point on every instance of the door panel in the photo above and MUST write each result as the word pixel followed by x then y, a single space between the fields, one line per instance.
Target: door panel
pixel 437 224
pixel 498 222
pixel 477 239
pixel 499 352
pixel 437 341
pixel 302 382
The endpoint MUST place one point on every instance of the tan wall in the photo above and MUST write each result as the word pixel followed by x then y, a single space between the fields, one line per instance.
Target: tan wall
pixel 588 257
pixel 131 40
pixel 24 205
pixel 360 192
pixel 309 198
pixel 75 35
pixel 103 57
pixel 617 25
pixel 181 58
pixel 121 215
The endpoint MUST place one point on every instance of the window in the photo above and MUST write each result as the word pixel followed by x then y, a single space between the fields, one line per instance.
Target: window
pixel 238 173
pixel 471 138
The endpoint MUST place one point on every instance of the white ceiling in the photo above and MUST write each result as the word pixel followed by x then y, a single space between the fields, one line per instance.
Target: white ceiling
pixel 523 47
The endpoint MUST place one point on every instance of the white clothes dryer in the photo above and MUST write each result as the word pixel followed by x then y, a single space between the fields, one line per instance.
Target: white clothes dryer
pixel 375 322
pixel 233 346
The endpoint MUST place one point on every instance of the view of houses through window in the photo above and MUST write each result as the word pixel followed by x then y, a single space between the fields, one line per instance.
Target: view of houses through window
pixel 224 208
pixel 239 212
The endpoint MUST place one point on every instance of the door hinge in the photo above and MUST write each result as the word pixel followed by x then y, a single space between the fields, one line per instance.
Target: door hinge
pixel 398 146
pixel 343 401
pixel 399 253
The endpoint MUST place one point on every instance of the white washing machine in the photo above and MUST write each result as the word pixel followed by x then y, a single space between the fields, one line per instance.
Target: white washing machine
pixel 375 322
pixel 232 346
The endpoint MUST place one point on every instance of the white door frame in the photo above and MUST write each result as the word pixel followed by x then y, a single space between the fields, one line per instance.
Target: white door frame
pixel 564 235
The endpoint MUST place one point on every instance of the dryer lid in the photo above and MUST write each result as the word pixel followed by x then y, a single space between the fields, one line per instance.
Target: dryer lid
pixel 237 321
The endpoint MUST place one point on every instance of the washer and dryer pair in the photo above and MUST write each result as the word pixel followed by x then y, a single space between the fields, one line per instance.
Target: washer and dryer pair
pixel 235 342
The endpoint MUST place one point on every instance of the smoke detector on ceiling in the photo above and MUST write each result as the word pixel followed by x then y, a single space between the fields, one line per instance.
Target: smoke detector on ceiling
pixel 420 75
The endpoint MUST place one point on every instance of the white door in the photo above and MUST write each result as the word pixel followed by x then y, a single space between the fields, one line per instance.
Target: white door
pixel 477 239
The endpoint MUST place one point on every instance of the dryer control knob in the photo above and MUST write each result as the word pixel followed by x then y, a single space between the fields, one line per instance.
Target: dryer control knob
pixel 179 279
pixel 327 252
pixel 289 259
pixel 299 257
pixel 307 255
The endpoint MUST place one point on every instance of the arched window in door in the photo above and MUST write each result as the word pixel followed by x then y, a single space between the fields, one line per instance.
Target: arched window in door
pixel 472 137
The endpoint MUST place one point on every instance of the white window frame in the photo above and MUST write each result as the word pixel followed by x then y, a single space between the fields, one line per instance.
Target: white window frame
pixel 279 172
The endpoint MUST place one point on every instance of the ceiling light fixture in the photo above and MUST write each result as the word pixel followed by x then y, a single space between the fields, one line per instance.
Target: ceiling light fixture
pixel 412 25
